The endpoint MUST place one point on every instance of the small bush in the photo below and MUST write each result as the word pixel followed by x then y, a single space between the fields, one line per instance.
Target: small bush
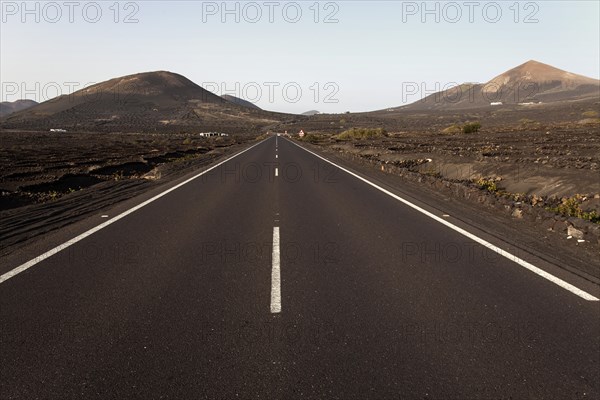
pixel 310 138
pixel 471 127
pixel 571 207
pixel 487 184
pixel 588 121
pixel 590 114
pixel 361 134
pixel 452 129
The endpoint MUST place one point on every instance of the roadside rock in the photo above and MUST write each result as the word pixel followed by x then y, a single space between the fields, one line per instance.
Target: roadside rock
pixel 517 213
pixel 576 233
pixel 153 175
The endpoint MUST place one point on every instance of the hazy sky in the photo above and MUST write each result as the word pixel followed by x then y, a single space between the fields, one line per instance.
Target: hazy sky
pixel 292 56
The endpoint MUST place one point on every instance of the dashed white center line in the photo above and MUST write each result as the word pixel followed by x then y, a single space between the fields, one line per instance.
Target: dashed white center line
pixel 276 171
pixel 276 274
pixel 276 156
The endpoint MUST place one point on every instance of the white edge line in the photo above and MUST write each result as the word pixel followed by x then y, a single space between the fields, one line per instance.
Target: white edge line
pixel 276 274
pixel 23 267
pixel 565 285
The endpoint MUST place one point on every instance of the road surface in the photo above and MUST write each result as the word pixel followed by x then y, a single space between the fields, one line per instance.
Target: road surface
pixel 277 275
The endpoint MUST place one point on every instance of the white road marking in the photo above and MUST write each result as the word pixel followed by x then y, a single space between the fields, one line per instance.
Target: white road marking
pixel 276 156
pixel 276 274
pixel 104 216
pixel 565 285
pixel 276 171
pixel 57 249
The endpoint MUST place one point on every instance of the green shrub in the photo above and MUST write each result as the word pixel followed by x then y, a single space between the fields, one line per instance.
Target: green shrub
pixel 53 195
pixel 361 134
pixel 570 207
pixel 310 138
pixel 471 127
pixel 487 184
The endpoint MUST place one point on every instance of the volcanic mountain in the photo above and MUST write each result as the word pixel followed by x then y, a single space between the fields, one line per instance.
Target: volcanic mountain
pixel 9 107
pixel 240 102
pixel 531 82
pixel 148 102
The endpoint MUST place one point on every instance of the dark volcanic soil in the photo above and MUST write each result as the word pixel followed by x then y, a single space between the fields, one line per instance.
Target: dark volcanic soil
pixel 49 180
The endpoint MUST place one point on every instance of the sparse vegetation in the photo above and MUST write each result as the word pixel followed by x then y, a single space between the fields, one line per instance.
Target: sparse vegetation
pixel 361 134
pixel 571 207
pixel 262 137
pixel 471 127
pixel 452 130
pixel 589 121
pixel 53 195
pixel 590 114
pixel 528 122
pixel 487 184
pixel 310 138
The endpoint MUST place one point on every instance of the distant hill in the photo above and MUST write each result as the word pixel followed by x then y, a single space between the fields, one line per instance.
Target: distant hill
pixel 151 101
pixel 311 112
pixel 531 82
pixel 9 107
pixel 240 102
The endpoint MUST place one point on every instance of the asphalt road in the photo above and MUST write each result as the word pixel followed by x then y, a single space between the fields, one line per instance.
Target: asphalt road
pixel 180 300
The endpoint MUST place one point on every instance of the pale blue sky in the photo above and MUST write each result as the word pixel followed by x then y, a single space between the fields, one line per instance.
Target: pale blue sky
pixel 368 57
